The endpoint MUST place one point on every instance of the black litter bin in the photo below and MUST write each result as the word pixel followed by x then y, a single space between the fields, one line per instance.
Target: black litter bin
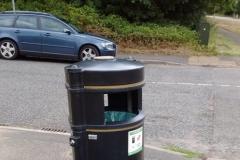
pixel 105 109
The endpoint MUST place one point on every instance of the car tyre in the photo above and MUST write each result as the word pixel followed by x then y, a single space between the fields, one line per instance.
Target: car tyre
pixel 88 52
pixel 8 49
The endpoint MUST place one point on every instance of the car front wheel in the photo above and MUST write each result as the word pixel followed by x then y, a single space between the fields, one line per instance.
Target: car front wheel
pixel 88 52
pixel 8 49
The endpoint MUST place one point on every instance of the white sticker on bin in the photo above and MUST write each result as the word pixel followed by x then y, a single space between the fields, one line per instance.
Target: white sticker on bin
pixel 92 137
pixel 135 141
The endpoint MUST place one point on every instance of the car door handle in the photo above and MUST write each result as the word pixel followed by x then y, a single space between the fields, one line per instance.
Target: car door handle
pixel 17 31
pixel 47 34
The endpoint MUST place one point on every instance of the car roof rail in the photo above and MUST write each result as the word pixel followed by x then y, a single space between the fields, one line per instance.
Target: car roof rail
pixel 26 12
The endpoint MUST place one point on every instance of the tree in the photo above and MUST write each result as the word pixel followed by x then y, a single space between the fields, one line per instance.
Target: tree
pixel 184 11
pixel 226 7
pixel 238 8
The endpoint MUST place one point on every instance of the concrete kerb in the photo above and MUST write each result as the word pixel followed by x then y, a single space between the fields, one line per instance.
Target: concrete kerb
pixel 204 61
pixel 193 61
pixel 212 61
pixel 161 62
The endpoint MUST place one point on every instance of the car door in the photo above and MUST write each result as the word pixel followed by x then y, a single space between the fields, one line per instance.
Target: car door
pixel 55 40
pixel 28 34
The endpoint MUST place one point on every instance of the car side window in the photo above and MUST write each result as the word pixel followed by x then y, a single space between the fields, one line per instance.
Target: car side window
pixel 7 20
pixel 29 22
pixel 49 24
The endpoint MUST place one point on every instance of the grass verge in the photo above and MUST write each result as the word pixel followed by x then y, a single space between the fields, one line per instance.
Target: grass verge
pixel 227 47
pixel 212 38
pixel 220 44
pixel 187 153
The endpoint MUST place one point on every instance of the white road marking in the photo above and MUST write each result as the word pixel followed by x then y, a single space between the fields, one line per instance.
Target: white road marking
pixel 194 84
pixel 215 159
pixel 226 85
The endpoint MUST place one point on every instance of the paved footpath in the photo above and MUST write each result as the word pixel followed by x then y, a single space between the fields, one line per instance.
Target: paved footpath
pixel 25 144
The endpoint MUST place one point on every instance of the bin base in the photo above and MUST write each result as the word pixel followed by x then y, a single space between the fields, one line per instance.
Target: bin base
pixel 123 141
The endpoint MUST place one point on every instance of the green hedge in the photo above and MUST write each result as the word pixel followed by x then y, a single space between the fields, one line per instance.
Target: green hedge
pixel 112 26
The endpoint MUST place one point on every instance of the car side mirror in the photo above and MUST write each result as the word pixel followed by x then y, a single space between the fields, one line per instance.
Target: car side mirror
pixel 67 31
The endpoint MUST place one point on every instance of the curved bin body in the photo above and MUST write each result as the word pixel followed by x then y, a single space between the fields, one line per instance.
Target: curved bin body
pixel 105 109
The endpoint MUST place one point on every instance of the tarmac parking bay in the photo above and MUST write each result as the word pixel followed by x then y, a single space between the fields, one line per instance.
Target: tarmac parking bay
pixel 190 106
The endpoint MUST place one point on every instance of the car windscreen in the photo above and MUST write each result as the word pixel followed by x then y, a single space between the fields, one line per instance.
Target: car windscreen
pixel 73 27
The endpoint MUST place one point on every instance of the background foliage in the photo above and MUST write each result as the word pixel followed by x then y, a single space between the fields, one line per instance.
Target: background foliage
pixel 225 7
pixel 127 34
pixel 134 23
pixel 187 12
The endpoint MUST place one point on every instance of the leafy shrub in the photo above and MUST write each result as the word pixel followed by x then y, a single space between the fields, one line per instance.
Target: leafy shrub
pixel 119 29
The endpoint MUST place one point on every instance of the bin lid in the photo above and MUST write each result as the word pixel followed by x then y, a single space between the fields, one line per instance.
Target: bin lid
pixel 105 73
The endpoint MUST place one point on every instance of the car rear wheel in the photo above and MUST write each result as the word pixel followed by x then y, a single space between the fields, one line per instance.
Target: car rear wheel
pixel 8 49
pixel 88 52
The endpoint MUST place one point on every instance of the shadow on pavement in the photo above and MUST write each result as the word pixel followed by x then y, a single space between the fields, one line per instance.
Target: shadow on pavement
pixel 22 58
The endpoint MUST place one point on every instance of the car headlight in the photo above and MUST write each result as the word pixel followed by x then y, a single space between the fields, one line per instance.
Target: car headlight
pixel 108 46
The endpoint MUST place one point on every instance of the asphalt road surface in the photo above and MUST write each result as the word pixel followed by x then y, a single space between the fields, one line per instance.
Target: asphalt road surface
pixel 193 107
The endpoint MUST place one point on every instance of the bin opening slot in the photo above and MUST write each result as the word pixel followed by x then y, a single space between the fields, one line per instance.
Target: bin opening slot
pixel 115 116
pixel 130 101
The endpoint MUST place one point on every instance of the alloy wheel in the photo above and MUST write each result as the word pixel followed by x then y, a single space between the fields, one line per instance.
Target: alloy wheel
pixel 7 50
pixel 88 54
